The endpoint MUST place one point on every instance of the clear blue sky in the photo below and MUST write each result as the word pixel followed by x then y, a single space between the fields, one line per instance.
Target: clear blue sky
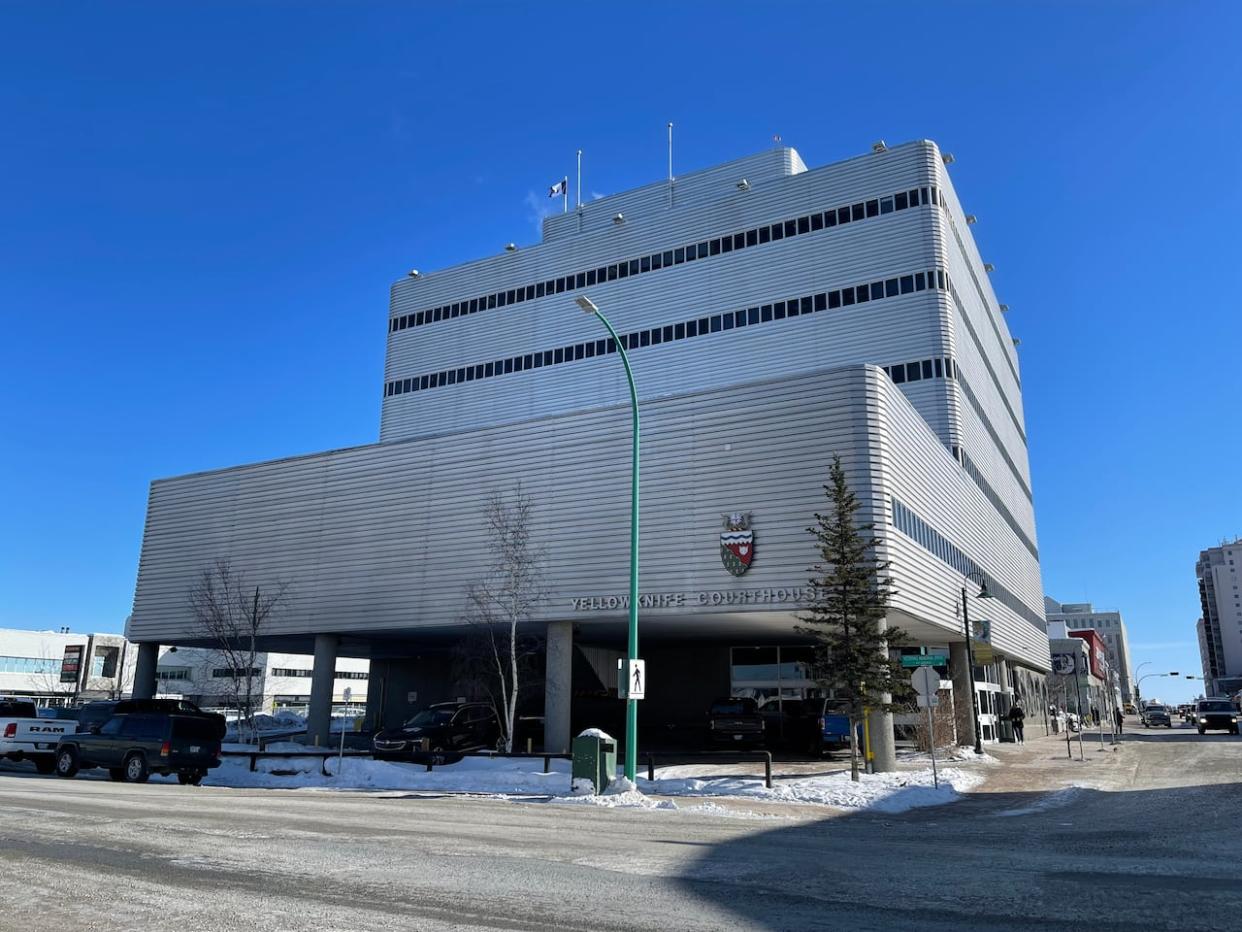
pixel 202 208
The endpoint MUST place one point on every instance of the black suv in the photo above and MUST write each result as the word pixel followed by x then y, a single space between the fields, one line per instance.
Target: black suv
pixel 1216 715
pixel 92 715
pixel 438 732
pixel 135 745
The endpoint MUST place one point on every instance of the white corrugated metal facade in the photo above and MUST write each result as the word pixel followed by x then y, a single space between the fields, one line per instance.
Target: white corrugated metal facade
pixel 382 540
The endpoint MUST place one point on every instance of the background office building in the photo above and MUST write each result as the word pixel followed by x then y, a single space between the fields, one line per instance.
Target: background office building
pixel 1081 616
pixel 775 315
pixel 1220 627
pixel 60 668
pixel 280 682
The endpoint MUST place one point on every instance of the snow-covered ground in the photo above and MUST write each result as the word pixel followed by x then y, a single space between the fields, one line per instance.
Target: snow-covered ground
pixel 524 778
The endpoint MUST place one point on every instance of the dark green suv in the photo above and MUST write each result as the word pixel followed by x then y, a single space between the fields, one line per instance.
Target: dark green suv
pixel 132 747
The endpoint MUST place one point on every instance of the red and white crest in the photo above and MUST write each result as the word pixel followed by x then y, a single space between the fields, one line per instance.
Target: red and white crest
pixel 737 543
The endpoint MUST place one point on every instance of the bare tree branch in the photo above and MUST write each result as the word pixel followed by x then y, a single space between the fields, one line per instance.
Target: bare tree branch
pixel 504 599
pixel 232 617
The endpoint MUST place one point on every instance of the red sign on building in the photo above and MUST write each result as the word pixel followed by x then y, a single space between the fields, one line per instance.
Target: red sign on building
pixel 1097 653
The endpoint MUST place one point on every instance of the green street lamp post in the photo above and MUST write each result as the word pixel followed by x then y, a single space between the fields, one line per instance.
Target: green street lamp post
pixel 631 704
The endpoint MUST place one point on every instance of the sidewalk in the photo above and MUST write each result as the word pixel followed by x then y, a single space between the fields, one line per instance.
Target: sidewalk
pixel 1042 763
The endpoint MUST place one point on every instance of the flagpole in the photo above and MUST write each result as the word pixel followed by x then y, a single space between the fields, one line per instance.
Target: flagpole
pixel 565 195
pixel 578 205
pixel 670 164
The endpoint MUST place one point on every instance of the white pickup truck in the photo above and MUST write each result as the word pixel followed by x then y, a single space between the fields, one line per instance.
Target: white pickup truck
pixel 25 736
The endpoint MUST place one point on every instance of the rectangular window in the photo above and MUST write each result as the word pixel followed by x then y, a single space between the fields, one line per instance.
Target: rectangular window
pixel 847 296
pixel 890 287
pixel 886 205
pixel 817 222
pixel 726 321
pixel 590 350
pixel 668 258
pixel 858 211
pixel 679 255
pixel 901 201
pixel 679 331
pixel 558 357
pixel 644 264
pixel 713 248
pixel 940 279
pixel 791 227
pixel 778 231
pixel 899 374
pixel 604 346
pixel 920 281
pixel 470 374
pixel 739 240
pixel 715 324
pixel 939 369
pixel 666 336
pixel 830 218
pixel 862 294
pixel 913 372
pixel 633 266
pixel 510 297
pixel 821 301
pixel 752 315
pixel 765 313
pixel 752 237
pixel 702 250
pixel 692 329
pixel 739 318
pixel 843 215
pixel 873 208
pixel 538 294
pixel 877 290
pixel 644 338
pixel 623 269
pixel 834 299
pixel 528 361
pixel 547 357
pixel 804 304
pixel 765 234
pixel 927 368
pixel 612 273
pixel 726 244
pixel 778 310
pixel 422 383
pixel 907 284
pixel 657 261
pixel 704 323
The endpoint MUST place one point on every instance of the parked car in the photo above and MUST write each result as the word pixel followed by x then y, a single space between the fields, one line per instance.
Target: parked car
pixel 441 732
pixel 92 715
pixel 735 721
pixel 134 745
pixel 1156 715
pixel 816 725
pixel 24 735
pixel 1216 715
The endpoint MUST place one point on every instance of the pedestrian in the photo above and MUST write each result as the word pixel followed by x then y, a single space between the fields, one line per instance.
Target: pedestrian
pixel 1095 715
pixel 1120 719
pixel 1017 718
pixel 1056 719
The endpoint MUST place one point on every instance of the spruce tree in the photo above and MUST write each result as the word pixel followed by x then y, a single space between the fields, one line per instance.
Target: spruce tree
pixel 847 611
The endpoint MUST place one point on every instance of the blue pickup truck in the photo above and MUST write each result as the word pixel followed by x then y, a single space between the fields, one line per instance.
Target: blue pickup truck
pixel 817 725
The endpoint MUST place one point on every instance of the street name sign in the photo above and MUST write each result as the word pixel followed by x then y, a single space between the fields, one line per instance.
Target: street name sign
pixel 924 660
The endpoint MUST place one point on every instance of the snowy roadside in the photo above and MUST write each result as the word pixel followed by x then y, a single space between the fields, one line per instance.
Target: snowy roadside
pixel 525 779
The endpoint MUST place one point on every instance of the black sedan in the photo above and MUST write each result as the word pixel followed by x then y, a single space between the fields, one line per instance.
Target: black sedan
pixel 440 733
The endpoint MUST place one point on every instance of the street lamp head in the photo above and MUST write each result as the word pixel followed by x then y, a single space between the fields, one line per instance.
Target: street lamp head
pixel 983 590
pixel 586 304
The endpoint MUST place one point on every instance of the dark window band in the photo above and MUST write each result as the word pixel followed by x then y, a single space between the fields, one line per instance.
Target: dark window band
pixel 985 487
pixel 935 543
pixel 934 279
pixel 782 229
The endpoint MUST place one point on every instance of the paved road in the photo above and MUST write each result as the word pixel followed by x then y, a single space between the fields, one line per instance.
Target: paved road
pixel 1153 840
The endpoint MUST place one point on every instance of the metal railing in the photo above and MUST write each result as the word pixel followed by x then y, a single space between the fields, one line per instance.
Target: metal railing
pixel 672 758
pixel 425 758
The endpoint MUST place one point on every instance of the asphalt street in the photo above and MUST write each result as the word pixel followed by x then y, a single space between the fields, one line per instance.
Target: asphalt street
pixel 1146 836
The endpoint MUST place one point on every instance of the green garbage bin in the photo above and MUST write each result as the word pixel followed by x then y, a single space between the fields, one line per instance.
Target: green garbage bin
pixel 595 759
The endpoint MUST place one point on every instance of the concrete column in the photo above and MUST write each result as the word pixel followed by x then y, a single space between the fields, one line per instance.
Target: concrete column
pixel 144 670
pixel 558 686
pixel 883 745
pixel 963 714
pixel 323 675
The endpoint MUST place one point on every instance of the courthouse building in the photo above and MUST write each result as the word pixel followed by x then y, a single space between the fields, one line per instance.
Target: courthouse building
pixel 775 315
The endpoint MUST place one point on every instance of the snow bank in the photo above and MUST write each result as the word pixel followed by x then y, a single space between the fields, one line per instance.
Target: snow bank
pixel 509 777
